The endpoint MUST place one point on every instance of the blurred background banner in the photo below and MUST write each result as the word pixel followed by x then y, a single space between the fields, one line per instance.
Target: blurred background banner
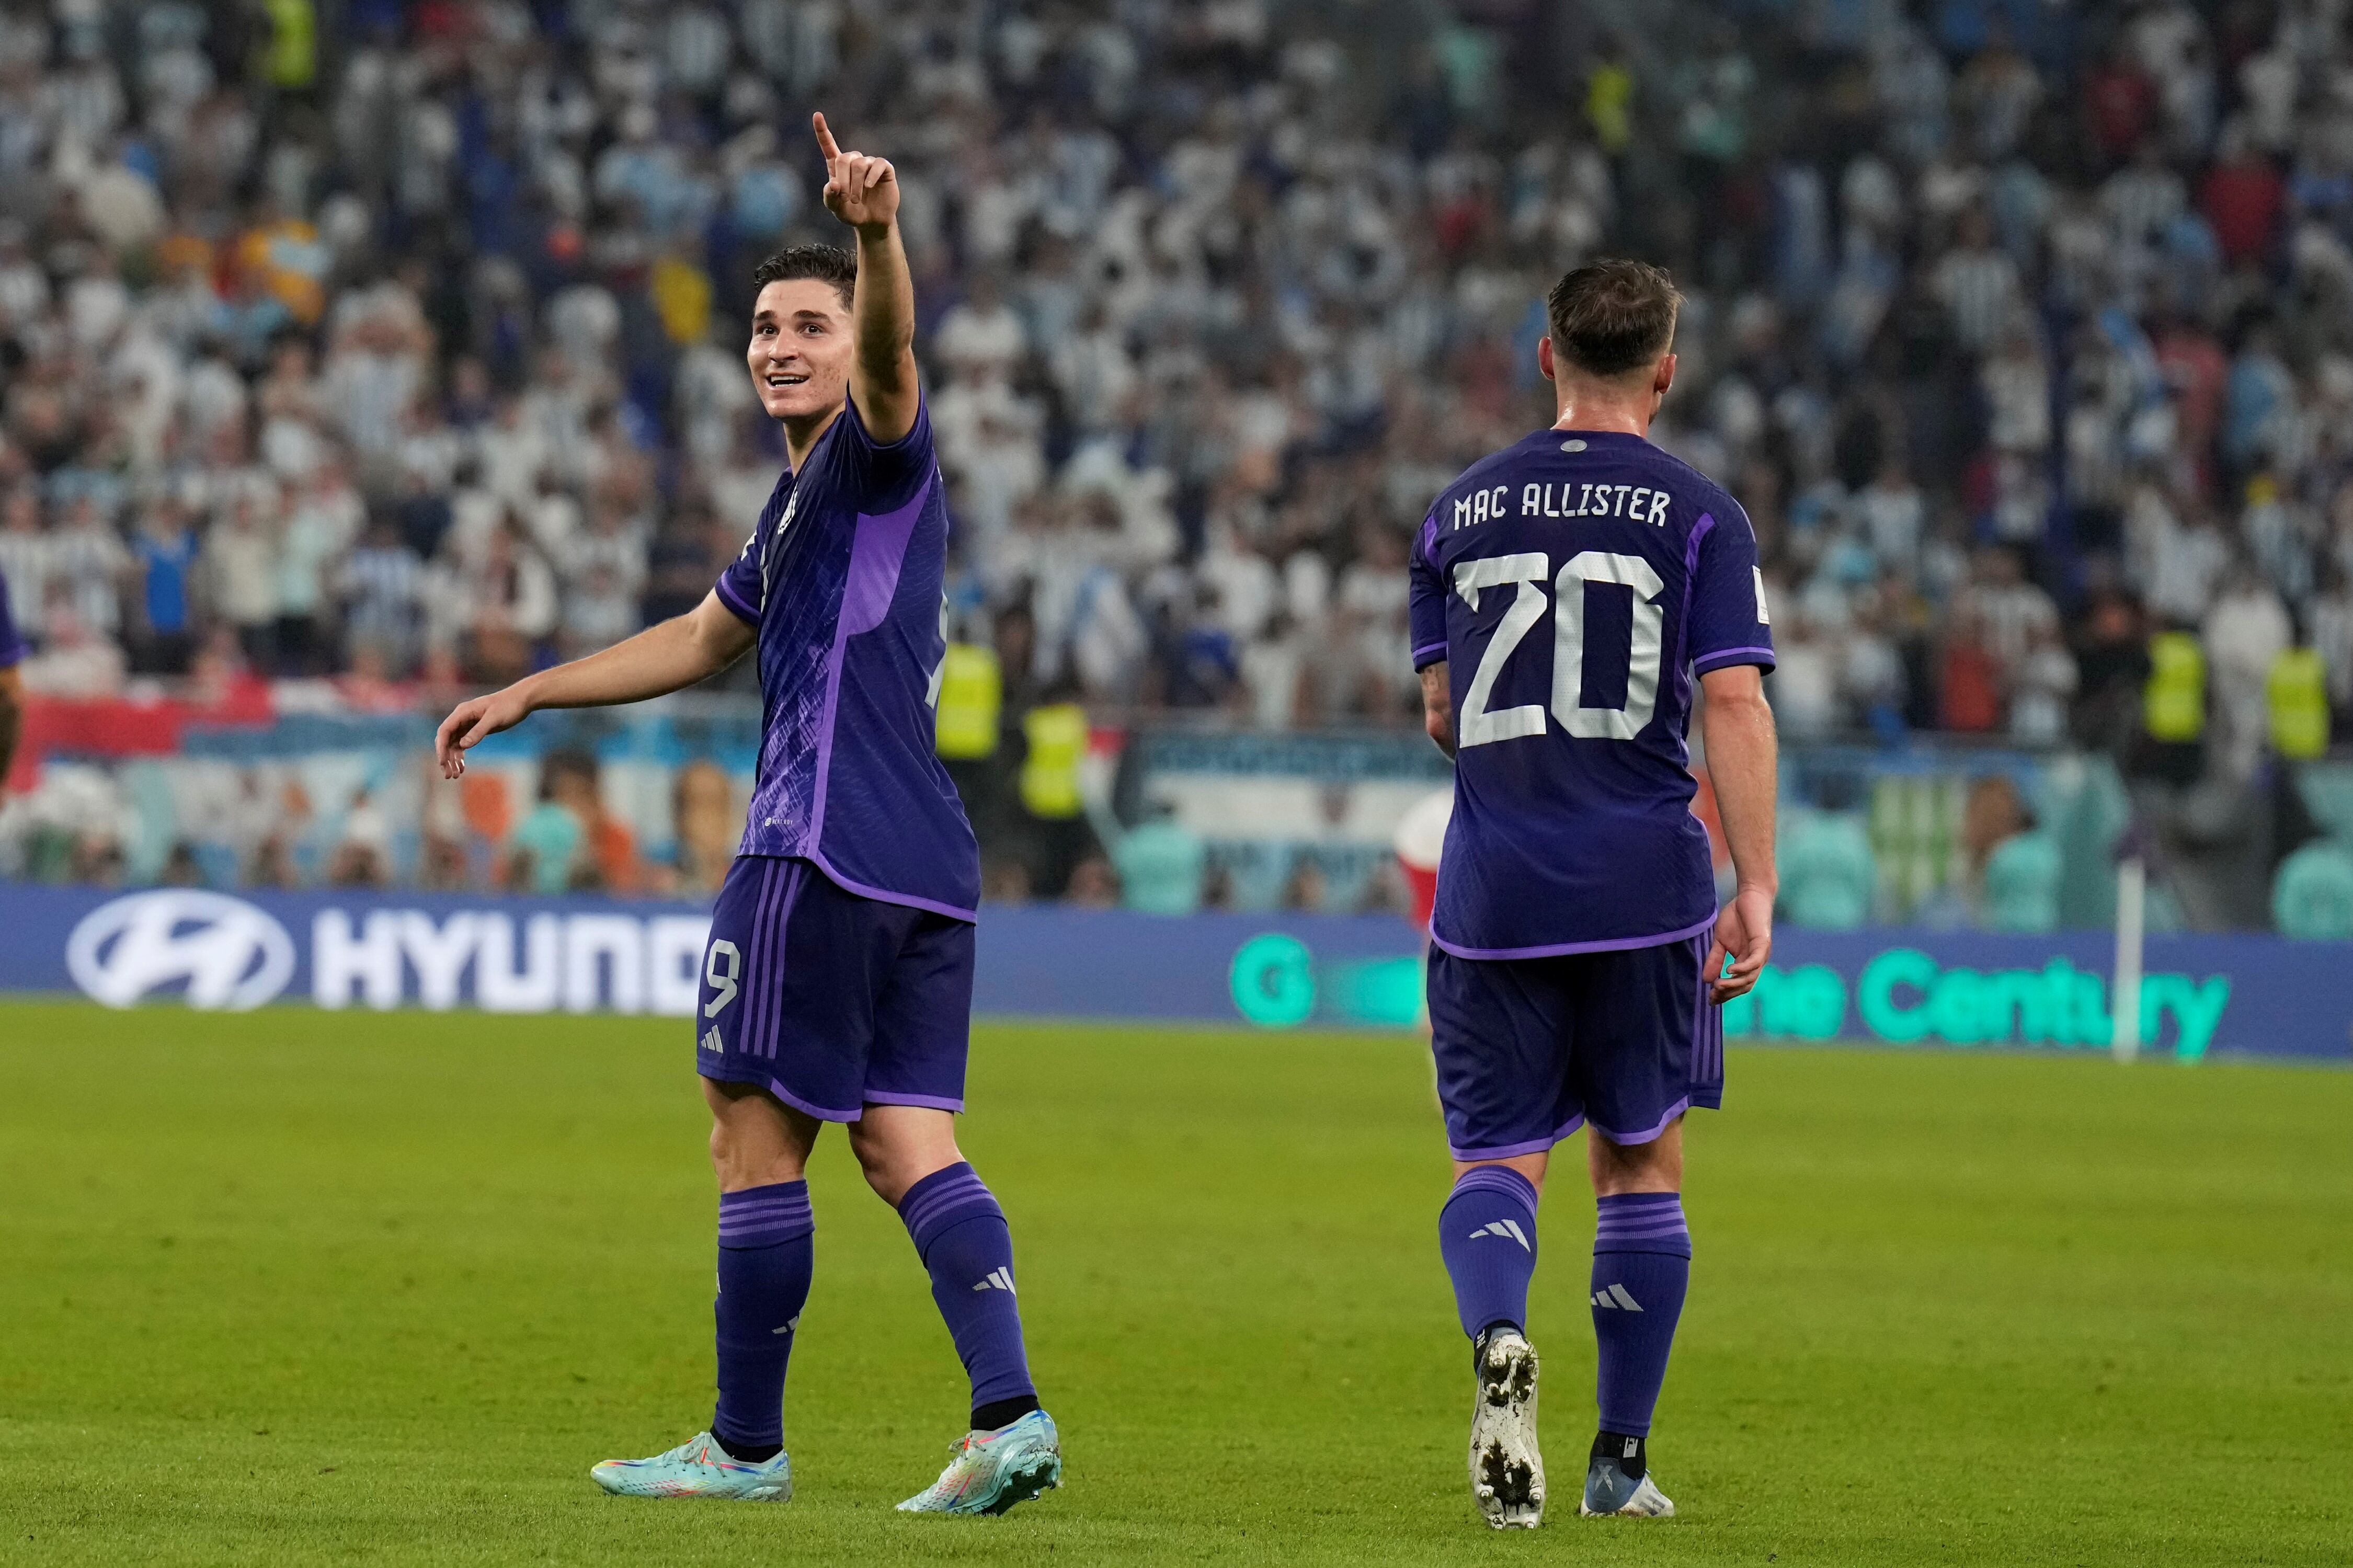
pixel 2199 993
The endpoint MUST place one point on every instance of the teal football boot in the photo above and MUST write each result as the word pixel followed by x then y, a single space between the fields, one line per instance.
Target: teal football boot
pixel 698 1468
pixel 988 1472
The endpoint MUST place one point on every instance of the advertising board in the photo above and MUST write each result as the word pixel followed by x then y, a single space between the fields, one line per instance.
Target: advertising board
pixel 2199 993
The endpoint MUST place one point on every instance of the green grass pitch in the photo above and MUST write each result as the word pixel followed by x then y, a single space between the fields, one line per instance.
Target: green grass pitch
pixel 296 1287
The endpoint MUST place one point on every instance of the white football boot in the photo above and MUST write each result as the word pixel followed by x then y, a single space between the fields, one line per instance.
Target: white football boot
pixel 1507 1478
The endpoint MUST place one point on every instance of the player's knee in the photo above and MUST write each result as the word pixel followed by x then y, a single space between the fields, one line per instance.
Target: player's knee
pixel 893 1155
pixel 1655 1165
pixel 878 1161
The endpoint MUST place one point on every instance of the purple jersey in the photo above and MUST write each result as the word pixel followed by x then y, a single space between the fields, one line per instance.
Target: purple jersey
pixel 1576 584
pixel 12 645
pixel 843 579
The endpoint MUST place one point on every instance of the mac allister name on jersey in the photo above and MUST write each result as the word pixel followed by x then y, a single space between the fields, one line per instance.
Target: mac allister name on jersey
pixel 1577 584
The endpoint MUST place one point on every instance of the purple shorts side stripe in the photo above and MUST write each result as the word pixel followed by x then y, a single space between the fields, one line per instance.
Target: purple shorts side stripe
pixel 928 1101
pixel 1649 1133
pixel 1534 1146
pixel 772 956
pixel 756 1016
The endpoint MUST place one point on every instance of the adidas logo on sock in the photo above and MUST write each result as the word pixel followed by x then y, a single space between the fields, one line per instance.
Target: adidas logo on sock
pixel 999 1279
pixel 790 1324
pixel 1509 1229
pixel 1616 1297
pixel 711 1042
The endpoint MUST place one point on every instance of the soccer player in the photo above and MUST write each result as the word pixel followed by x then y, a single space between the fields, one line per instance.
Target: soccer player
pixel 1567 593
pixel 12 685
pixel 837 983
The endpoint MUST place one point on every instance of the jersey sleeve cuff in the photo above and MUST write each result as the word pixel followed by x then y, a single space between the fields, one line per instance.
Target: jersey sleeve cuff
pixel 1762 657
pixel 1424 657
pixel 735 602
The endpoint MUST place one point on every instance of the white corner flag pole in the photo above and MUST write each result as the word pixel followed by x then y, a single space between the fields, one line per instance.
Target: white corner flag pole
pixel 2132 898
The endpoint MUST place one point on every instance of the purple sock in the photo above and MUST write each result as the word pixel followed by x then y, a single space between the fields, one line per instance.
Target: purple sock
pixel 766 1250
pixel 1641 1265
pixel 1487 1234
pixel 960 1234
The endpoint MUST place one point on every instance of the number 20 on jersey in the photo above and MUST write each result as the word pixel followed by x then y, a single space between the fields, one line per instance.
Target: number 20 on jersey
pixel 1525 573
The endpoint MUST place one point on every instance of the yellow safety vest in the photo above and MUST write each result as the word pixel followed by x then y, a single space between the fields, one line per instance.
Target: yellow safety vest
pixel 682 296
pixel 1609 106
pixel 972 693
pixel 1057 733
pixel 290 57
pixel 2173 704
pixel 2298 692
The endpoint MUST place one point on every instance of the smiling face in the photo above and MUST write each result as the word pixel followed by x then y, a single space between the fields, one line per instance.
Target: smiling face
pixel 801 348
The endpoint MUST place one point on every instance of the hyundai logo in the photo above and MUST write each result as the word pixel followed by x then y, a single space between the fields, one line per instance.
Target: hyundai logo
pixel 230 953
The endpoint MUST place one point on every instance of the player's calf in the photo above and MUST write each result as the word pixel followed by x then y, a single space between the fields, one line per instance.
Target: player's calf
pixel 1641 1269
pixel 1012 1452
pixel 1487 1234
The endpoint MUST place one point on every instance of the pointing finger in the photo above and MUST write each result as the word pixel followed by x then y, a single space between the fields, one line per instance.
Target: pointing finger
pixel 825 142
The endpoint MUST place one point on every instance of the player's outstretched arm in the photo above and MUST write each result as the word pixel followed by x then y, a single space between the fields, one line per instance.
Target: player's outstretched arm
pixel 1742 766
pixel 1438 706
pixel 677 653
pixel 864 192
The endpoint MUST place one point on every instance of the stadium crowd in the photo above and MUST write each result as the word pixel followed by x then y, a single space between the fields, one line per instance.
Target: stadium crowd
pixel 400 342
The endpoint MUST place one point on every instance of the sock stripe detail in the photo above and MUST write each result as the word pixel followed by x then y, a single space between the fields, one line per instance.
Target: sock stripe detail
pixel 1499 1179
pixel 1642 1222
pixel 1640 1233
pixel 945 1197
pixel 766 1216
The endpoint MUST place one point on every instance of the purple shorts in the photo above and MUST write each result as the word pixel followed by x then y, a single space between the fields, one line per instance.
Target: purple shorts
pixel 1529 1048
pixel 829 1001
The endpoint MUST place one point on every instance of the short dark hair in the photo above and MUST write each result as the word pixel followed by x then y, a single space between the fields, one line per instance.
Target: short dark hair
pixel 1611 316
pixel 825 263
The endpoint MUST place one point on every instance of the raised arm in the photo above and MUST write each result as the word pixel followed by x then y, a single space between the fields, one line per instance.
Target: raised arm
pixel 677 653
pixel 1741 764
pixel 863 193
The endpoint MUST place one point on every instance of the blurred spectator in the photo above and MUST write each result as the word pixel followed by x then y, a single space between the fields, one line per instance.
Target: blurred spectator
pixel 606 861
pixel 2244 632
pixel 164 559
pixel 74 659
pixel 382 586
pixel 708 825
pixel 363 852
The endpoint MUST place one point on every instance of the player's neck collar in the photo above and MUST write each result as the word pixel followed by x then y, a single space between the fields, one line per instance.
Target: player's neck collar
pixel 1590 432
